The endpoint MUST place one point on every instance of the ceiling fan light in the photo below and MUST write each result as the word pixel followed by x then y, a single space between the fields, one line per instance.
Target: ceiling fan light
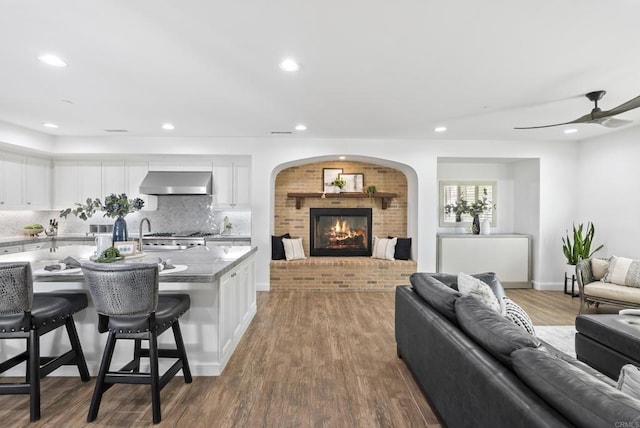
pixel 440 129
pixel 289 65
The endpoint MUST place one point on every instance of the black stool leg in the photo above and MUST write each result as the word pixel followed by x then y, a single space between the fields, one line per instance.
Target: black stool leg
pixel 155 378
pixel 77 349
pixel 177 334
pixel 104 367
pixel 34 375
pixel 137 347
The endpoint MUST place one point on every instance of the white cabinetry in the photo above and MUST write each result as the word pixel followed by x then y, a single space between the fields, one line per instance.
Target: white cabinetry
pixel 11 249
pixel 238 292
pixel 232 184
pixel 38 184
pixel 26 182
pixel 506 255
pixel 113 178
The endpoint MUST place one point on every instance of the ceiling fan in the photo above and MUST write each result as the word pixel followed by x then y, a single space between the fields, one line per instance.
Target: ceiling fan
pixel 604 118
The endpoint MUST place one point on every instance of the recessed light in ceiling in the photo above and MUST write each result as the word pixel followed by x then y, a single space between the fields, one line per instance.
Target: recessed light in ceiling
pixel 301 127
pixel 570 131
pixel 168 126
pixel 49 125
pixel 52 60
pixel 440 128
pixel 289 65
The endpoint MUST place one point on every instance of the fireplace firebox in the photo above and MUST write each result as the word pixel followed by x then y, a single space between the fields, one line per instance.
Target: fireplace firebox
pixel 340 232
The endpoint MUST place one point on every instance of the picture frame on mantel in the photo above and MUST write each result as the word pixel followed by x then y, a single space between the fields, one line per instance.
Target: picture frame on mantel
pixel 328 175
pixel 354 182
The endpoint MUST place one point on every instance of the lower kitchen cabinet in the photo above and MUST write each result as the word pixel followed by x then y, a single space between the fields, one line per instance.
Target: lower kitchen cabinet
pixel 11 249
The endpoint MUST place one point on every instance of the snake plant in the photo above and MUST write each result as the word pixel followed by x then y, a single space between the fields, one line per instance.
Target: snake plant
pixel 580 248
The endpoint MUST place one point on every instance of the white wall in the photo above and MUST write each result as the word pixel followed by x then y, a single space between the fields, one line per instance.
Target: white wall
pixel 526 204
pixel 608 176
pixel 558 167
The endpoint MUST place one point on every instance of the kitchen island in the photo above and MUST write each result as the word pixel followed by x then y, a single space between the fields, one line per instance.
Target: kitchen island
pixel 220 281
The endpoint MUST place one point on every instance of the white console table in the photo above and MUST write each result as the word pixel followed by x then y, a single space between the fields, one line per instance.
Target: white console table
pixel 508 255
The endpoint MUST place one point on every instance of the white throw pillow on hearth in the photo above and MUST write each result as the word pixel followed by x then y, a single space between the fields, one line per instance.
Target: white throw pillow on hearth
pixel 293 249
pixel 384 248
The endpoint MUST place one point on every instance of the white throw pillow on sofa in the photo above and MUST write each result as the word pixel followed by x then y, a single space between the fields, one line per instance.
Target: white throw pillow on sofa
pixel 623 271
pixel 384 248
pixel 599 268
pixel 514 313
pixel 293 249
pixel 468 284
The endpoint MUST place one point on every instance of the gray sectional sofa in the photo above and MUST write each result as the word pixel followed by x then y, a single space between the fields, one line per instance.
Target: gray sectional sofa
pixel 477 368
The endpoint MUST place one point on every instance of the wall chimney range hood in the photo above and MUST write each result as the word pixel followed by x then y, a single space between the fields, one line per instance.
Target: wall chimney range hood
pixel 177 183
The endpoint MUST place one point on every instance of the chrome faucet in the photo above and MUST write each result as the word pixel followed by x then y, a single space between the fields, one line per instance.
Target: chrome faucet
pixel 140 244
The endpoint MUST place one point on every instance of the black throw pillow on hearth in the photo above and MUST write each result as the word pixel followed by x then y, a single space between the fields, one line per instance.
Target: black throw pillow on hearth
pixel 403 249
pixel 277 247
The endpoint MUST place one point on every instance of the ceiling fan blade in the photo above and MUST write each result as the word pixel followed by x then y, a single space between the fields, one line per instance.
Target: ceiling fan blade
pixel 629 105
pixel 611 122
pixel 584 119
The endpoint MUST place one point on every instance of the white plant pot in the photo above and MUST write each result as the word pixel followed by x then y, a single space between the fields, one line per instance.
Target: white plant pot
pixel 570 270
pixel 485 227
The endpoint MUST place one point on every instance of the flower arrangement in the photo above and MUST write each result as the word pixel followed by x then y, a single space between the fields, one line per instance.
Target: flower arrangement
pixel 461 206
pixel 339 182
pixel 113 206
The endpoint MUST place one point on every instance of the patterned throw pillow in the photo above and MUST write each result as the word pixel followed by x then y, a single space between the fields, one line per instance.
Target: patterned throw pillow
pixel 629 380
pixel 293 249
pixel 384 248
pixel 470 285
pixel 623 271
pixel 513 312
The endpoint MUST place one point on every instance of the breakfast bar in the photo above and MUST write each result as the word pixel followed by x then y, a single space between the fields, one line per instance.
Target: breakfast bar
pixel 220 281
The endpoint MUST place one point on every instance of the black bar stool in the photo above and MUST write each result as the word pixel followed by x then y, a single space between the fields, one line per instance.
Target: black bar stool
pixel 25 315
pixel 129 307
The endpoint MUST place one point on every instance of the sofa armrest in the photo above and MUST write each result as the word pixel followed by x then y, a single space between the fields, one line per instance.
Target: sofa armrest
pixel 584 274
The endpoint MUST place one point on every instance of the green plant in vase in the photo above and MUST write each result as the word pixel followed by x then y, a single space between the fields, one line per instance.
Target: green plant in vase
pixel 580 247
pixel 340 183
pixel 114 206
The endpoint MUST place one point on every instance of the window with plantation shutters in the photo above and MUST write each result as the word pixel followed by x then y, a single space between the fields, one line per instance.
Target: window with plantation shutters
pixel 453 192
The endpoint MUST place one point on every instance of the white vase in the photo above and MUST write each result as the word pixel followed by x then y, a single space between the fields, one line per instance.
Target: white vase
pixel 570 271
pixel 485 227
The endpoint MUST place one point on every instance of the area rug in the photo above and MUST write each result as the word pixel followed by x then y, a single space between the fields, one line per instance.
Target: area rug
pixel 561 337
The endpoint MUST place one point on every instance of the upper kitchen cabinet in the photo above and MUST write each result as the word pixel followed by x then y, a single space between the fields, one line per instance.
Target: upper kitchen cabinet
pixel 77 180
pixel 38 184
pixel 232 184
pixel 135 172
pixel 12 188
pixel 180 165
pixel 26 182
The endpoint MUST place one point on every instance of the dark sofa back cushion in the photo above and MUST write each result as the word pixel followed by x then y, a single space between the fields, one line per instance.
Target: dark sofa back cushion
pixel 438 295
pixel 496 334
pixel 277 246
pixel 583 399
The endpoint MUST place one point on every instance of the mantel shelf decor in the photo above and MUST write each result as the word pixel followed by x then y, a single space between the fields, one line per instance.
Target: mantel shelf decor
pixel 384 197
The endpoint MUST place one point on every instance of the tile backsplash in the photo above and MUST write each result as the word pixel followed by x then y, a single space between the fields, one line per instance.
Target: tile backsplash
pixel 174 214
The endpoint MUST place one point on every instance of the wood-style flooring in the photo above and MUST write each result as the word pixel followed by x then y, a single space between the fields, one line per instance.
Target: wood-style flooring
pixel 308 359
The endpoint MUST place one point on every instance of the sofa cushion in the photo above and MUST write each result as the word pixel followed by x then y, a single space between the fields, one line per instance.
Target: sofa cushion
pixel 617 292
pixel 488 278
pixel 514 313
pixel 599 268
pixel 581 398
pixel 499 336
pixel 440 296
pixel 623 271
pixel 468 284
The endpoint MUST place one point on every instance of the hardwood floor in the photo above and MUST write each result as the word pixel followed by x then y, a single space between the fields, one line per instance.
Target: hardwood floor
pixel 325 359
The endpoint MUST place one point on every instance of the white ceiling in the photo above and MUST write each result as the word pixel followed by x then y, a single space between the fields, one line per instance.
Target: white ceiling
pixel 369 68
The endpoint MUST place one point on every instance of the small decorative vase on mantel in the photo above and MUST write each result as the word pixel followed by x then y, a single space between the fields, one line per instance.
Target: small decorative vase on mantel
pixel 120 230
pixel 475 227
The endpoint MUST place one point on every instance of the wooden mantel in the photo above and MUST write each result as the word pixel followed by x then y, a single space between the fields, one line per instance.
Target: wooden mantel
pixel 384 197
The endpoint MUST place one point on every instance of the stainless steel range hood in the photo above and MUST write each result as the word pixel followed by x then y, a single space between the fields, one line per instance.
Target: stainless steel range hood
pixel 177 183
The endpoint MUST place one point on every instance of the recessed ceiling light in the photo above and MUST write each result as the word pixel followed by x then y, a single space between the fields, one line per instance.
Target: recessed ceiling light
pixel 440 128
pixel 49 125
pixel 289 65
pixel 342 157
pixel 301 127
pixel 168 126
pixel 52 60
pixel 570 131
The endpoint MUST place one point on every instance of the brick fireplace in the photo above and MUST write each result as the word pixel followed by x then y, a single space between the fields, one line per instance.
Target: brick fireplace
pixel 359 272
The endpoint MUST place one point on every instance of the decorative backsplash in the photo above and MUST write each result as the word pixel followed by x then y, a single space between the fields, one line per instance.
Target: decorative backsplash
pixel 174 214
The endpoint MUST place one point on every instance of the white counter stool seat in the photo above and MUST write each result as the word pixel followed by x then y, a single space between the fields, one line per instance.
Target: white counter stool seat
pixel 25 315
pixel 130 307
